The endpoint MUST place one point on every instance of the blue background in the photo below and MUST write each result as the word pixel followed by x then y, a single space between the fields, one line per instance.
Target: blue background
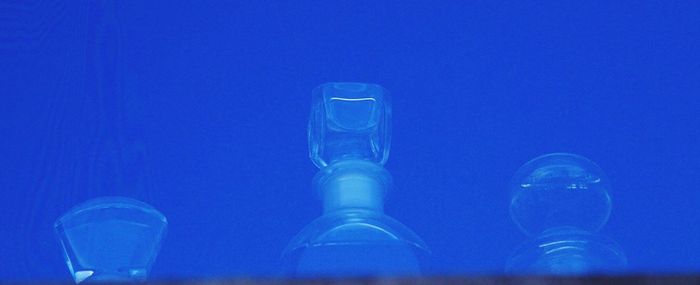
pixel 200 109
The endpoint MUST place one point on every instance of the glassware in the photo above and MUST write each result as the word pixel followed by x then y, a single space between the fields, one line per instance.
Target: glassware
pixel 349 139
pixel 561 200
pixel 110 239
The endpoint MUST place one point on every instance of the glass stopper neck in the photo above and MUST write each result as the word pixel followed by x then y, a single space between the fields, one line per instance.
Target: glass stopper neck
pixel 352 184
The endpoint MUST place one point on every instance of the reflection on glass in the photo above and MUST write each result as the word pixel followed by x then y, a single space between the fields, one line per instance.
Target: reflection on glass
pixel 349 140
pixel 111 239
pixel 561 200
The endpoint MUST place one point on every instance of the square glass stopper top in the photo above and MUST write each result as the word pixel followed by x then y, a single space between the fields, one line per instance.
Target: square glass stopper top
pixel 349 121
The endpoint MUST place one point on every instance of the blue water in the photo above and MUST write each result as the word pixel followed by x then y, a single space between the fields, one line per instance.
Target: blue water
pixel 201 110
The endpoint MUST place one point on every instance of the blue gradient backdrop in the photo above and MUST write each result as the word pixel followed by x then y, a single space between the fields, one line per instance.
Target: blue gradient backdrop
pixel 200 109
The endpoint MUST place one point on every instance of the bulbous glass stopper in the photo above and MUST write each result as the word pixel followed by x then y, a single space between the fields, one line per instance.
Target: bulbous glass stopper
pixel 559 190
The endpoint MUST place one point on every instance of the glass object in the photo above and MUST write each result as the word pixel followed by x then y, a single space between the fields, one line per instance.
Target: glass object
pixel 349 140
pixel 349 121
pixel 561 200
pixel 111 239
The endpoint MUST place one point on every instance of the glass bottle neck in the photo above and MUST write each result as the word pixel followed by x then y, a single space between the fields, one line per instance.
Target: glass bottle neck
pixel 353 184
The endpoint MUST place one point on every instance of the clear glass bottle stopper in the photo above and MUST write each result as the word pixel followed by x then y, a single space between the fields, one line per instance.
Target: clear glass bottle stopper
pixel 349 121
pixel 561 200
pixel 559 190
pixel 113 239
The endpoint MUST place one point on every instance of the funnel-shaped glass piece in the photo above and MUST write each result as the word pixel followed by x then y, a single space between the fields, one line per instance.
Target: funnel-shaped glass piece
pixel 111 239
pixel 349 121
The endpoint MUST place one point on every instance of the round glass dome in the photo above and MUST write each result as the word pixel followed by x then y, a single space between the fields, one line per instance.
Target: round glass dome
pixel 559 190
